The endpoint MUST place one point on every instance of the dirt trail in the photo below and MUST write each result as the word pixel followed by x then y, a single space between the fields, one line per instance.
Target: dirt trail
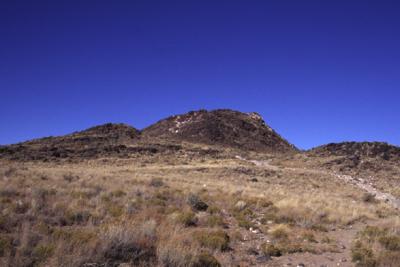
pixel 343 237
pixel 358 182
pixel 368 187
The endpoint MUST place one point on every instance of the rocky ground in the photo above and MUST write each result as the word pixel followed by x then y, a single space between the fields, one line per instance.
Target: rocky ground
pixel 216 188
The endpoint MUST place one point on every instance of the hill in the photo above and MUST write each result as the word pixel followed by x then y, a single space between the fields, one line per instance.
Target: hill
pixel 95 141
pixel 223 127
pixel 377 150
pixel 206 188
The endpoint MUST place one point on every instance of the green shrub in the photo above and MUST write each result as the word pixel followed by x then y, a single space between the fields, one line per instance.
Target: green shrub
pixel 206 260
pixel 187 218
pixel 389 259
pixel 42 252
pixel 77 217
pixel 390 242
pixel 217 240
pixel 243 218
pixel 115 210
pixel 215 220
pixel 372 233
pixel 213 210
pixel 156 182
pixel 368 197
pixel 362 256
pixel 4 246
pixel 117 193
pixel 291 246
pixel 309 236
pixel 271 250
pixel 280 232
pixel 21 207
pixel 78 236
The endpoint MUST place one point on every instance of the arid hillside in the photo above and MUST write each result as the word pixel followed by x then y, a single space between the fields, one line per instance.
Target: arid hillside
pixel 378 163
pixel 217 188
pixel 223 127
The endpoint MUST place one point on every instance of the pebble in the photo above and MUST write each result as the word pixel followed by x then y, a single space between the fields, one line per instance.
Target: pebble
pixel 254 231
pixel 263 258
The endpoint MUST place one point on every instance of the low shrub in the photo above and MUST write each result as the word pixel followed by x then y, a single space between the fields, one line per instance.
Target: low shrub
pixel 156 182
pixel 390 242
pixel 368 197
pixel 117 193
pixel 206 260
pixel 187 218
pixel 196 203
pixel 126 242
pixel 42 252
pixel 216 240
pixel 4 245
pixel 362 256
pixel 376 246
pixel 215 220
pixel 77 217
pixel 279 232
pixel 271 250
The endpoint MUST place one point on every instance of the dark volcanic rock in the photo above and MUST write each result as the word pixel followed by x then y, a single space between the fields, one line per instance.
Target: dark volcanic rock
pixel 173 136
pixel 358 150
pixel 196 203
pixel 365 158
pixel 96 141
pixel 223 127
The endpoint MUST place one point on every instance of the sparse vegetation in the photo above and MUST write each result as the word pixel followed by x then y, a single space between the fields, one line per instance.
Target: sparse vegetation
pixel 216 240
pixel 271 250
pixel 187 218
pixel 377 246
pixel 206 210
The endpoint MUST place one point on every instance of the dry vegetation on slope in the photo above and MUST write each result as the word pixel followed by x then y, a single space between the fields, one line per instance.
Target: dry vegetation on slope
pixel 199 212
pixel 216 188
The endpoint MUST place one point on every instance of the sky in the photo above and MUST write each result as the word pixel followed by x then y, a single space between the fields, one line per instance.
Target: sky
pixel 317 71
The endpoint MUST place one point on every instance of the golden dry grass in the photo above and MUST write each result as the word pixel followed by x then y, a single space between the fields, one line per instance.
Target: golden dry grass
pixel 136 212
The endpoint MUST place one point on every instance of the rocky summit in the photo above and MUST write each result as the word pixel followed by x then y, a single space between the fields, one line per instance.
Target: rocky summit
pixel 219 128
pixel 222 127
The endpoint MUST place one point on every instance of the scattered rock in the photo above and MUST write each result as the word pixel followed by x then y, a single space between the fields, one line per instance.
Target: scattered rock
pixel 156 182
pixel 196 203
pixel 262 259
pixel 252 251
pixel 254 180
pixel 368 197
pixel 300 265
pixel 240 205
pixel 254 231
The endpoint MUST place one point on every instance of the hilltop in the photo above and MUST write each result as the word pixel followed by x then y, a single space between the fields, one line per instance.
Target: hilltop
pixel 219 128
pixel 223 127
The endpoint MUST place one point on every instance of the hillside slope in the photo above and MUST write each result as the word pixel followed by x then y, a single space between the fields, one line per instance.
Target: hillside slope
pixel 223 127
pixel 95 141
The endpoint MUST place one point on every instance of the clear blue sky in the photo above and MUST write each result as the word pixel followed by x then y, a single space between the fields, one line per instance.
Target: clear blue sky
pixel 317 71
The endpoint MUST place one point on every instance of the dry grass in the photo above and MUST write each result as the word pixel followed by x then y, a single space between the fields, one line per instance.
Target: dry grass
pixel 135 212
pixel 378 245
